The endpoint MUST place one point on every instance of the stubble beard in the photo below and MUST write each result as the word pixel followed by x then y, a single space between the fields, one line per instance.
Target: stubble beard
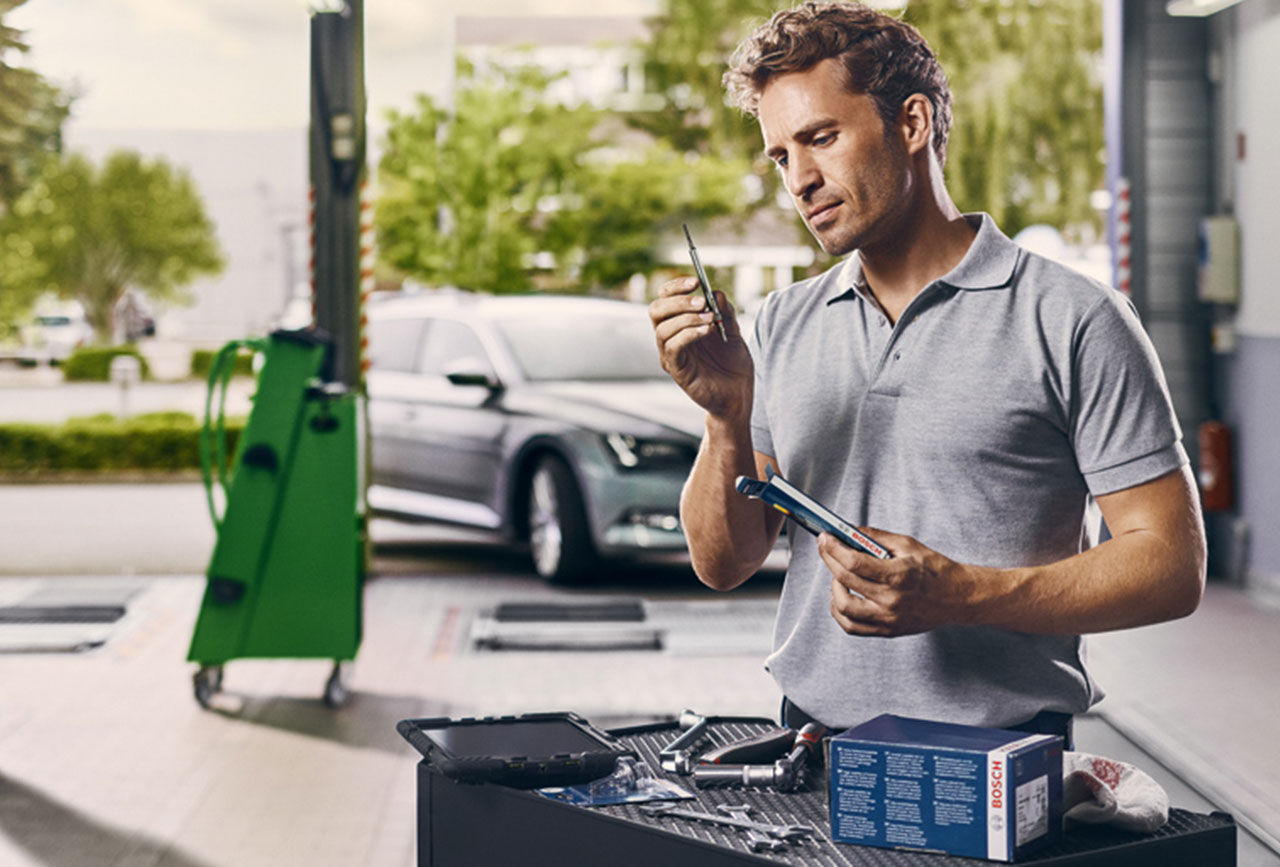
pixel 874 220
pixel 839 239
pixel 876 209
pixel 839 245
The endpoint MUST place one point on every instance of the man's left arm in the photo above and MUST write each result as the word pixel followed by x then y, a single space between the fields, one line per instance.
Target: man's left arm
pixel 1152 569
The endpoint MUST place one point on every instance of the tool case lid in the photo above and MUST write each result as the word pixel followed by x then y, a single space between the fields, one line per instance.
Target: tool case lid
pixel 527 751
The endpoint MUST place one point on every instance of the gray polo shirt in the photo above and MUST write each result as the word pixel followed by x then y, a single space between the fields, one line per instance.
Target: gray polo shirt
pixel 1009 391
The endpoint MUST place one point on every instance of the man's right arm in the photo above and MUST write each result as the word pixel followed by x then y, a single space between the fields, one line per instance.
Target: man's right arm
pixel 729 535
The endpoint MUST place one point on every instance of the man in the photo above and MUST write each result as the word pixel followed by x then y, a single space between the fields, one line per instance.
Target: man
pixel 961 399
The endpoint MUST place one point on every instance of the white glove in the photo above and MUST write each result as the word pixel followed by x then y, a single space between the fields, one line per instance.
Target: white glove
pixel 1107 792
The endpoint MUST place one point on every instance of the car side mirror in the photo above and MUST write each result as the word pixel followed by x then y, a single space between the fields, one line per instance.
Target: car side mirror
pixel 471 371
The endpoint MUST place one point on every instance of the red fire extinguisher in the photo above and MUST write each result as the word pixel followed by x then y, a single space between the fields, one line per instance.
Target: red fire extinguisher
pixel 1217 468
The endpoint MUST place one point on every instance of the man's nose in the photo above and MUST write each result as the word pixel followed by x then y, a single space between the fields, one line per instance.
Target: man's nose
pixel 803 177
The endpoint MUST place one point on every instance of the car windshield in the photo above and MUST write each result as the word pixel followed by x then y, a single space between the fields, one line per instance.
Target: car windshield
pixel 596 348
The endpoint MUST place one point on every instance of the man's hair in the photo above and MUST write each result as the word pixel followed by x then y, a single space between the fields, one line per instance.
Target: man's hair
pixel 883 57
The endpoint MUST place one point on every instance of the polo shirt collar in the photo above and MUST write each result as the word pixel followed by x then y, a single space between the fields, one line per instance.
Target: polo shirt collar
pixel 988 264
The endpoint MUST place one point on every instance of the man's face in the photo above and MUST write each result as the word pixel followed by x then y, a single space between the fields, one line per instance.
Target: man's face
pixel 848 176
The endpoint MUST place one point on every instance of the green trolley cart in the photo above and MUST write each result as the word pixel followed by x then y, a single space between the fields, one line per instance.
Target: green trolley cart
pixel 287 572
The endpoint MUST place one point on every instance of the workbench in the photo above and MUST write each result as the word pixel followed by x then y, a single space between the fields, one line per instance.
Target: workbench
pixel 462 825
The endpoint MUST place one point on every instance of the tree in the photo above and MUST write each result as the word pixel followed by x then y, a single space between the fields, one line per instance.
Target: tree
pixel 480 197
pixel 1026 144
pixel 617 212
pixel 1025 75
pixel 685 59
pixel 89 234
pixel 464 194
pixel 32 112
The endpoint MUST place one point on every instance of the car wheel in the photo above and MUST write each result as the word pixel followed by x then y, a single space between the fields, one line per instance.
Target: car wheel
pixel 559 542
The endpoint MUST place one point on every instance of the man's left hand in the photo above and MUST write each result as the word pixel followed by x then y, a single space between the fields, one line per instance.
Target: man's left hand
pixel 916 590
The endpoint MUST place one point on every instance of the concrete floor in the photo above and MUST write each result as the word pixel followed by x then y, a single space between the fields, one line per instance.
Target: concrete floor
pixel 1202 695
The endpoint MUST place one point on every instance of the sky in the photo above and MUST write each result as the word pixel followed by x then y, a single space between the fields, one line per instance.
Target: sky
pixel 242 64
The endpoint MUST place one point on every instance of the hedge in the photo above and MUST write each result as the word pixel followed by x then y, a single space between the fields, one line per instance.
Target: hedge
pixel 202 360
pixel 164 441
pixel 93 363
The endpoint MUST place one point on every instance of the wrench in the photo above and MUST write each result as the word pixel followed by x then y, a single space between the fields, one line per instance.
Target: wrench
pixel 780 832
pixel 756 841
pixel 677 756
pixel 785 775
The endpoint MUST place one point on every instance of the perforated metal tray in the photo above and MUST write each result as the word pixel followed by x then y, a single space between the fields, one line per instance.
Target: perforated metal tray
pixel 1188 838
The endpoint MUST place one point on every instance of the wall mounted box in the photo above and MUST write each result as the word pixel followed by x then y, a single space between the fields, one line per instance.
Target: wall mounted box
pixel 903 783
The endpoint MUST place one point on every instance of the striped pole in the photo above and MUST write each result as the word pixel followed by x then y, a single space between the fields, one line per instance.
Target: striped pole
pixel 367 259
pixel 1123 233
pixel 311 248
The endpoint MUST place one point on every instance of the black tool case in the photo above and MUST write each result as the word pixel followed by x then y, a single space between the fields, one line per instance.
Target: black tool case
pixel 497 826
pixel 527 752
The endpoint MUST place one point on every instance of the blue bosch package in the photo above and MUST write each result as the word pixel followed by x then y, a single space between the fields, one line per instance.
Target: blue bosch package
pixel 915 784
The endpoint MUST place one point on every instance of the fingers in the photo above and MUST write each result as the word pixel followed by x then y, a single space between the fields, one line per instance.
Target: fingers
pixel 858 616
pixel 675 297
pixel 678 286
pixel 666 329
pixel 672 349
pixel 869 572
pixel 857 597
pixel 680 316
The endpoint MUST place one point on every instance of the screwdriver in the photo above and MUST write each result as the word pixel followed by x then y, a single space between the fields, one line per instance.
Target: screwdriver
pixel 706 285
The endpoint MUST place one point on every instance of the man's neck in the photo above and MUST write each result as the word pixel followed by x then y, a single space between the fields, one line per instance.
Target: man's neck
pixel 929 244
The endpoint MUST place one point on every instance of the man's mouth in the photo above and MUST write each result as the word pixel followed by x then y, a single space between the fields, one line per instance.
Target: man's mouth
pixel 822 213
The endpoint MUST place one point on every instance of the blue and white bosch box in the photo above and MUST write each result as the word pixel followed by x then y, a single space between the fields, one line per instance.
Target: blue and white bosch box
pixel 914 784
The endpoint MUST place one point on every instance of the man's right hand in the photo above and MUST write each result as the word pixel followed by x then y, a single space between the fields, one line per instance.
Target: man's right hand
pixel 717 374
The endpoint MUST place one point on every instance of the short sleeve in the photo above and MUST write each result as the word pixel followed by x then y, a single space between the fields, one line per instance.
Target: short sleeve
pixel 761 434
pixel 1123 426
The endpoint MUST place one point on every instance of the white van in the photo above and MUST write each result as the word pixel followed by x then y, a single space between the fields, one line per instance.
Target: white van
pixel 60 327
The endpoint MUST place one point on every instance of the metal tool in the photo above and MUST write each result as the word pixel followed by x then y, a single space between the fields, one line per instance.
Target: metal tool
pixel 677 757
pixel 745 776
pixel 706 285
pixel 756 841
pixel 779 832
pixel 784 775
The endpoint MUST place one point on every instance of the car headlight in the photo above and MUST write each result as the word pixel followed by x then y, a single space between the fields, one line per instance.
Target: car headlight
pixel 634 453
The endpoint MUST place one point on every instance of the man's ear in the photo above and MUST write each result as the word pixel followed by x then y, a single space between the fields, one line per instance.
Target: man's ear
pixel 915 122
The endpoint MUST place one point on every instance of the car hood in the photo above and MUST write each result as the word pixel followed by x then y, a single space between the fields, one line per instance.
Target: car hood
pixel 598 404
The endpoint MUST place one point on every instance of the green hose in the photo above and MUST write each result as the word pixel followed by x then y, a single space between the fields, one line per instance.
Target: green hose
pixel 213 434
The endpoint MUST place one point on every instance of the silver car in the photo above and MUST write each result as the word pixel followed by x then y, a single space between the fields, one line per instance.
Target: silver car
pixel 546 418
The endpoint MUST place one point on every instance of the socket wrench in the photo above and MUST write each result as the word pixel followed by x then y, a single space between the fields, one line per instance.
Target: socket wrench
pixel 677 756
pixel 784 775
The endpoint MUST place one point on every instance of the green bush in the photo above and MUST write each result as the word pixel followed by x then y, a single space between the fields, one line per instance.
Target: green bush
pixel 164 441
pixel 202 360
pixel 93 363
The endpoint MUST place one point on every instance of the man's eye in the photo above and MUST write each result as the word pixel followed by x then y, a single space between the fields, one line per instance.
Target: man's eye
pixel 824 139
